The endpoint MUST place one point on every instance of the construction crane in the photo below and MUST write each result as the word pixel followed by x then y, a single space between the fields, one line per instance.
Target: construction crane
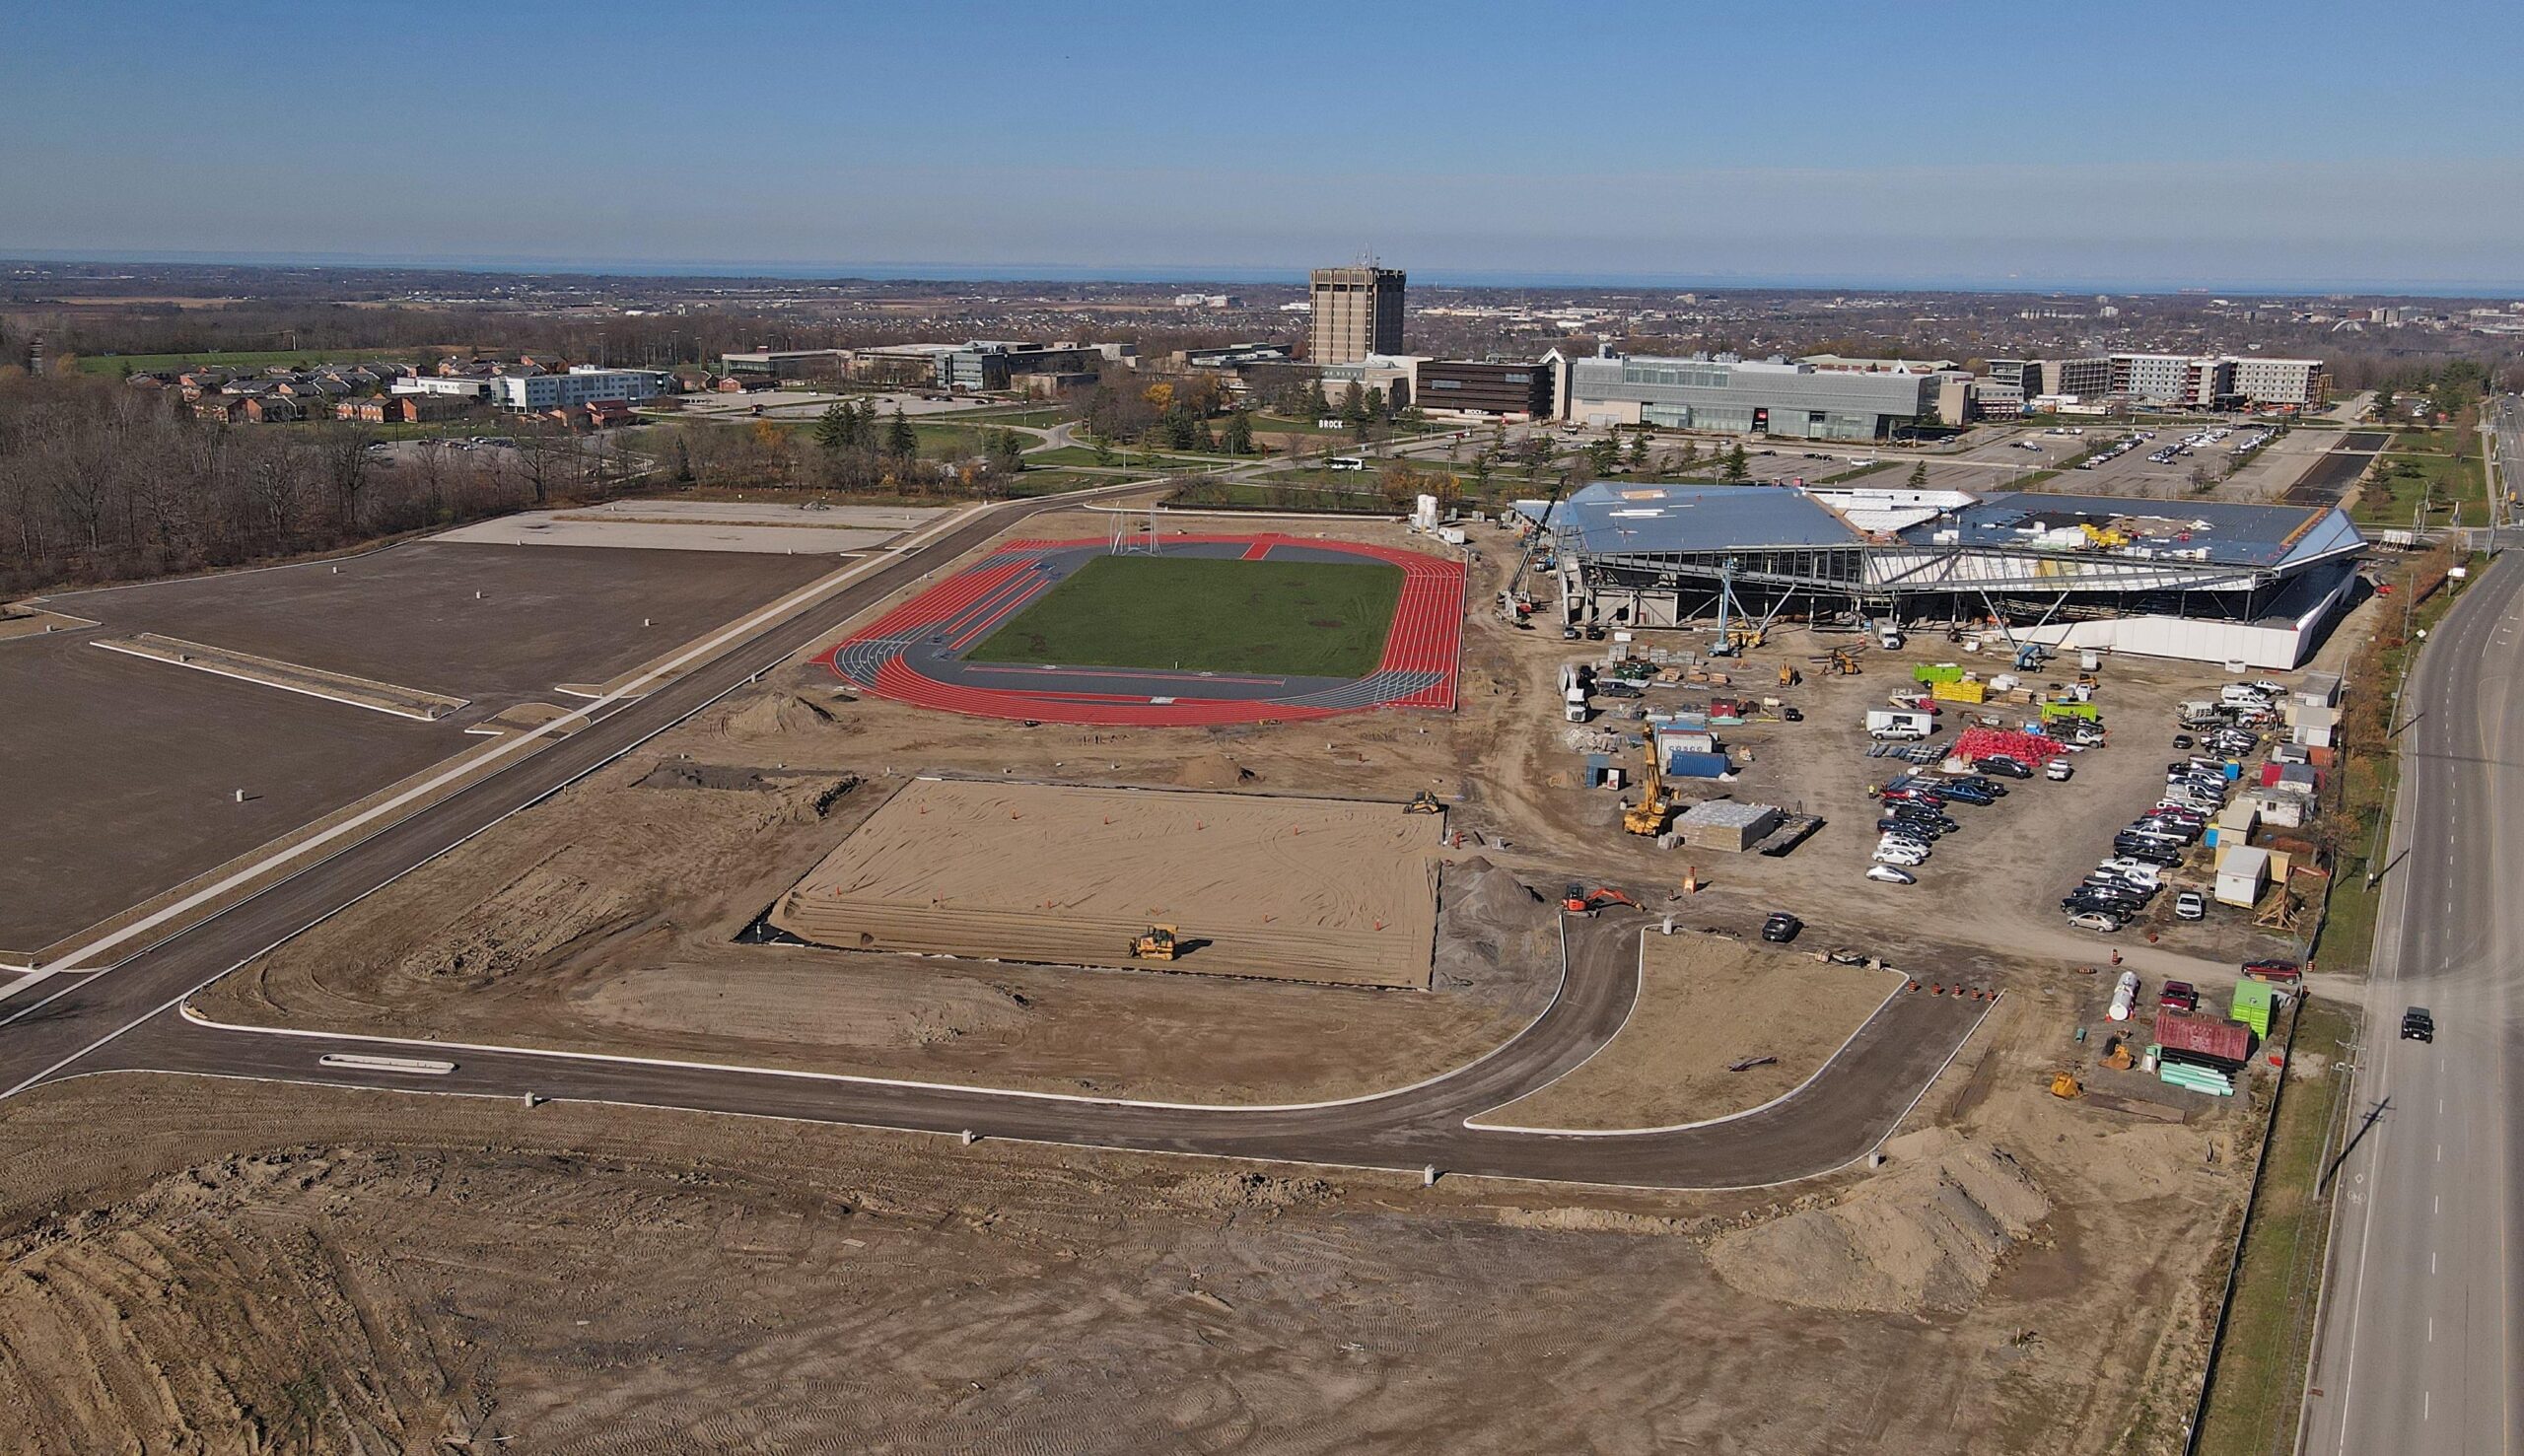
pixel 1157 942
pixel 1526 561
pixel 1648 815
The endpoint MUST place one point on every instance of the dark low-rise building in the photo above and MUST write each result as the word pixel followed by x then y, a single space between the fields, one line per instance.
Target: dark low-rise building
pixel 1484 387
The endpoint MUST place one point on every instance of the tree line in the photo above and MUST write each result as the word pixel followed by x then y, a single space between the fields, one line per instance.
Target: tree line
pixel 100 482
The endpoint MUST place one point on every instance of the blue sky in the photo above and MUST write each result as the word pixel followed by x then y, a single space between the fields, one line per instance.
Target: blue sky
pixel 2297 145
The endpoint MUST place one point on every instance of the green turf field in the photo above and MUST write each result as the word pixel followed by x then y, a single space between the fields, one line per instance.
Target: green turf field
pixel 1204 614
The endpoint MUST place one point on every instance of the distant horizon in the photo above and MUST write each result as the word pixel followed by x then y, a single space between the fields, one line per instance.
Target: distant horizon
pixel 2270 150
pixel 1289 277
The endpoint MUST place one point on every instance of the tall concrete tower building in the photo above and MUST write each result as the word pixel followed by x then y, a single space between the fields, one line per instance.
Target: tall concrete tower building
pixel 1358 312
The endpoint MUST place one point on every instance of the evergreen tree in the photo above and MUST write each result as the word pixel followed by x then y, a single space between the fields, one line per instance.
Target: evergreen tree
pixel 1735 467
pixel 1240 434
pixel 832 430
pixel 1919 476
pixel 901 441
pixel 1006 452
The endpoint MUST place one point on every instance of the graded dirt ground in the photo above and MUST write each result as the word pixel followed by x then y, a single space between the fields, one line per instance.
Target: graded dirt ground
pixel 291 1269
pixel 1705 1004
pixel 2022 1275
pixel 124 772
pixel 1301 889
pixel 122 775
pixel 408 614
pixel 605 917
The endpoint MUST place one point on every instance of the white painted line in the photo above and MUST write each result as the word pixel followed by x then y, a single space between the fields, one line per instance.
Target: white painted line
pixel 286 687
pixel 183 1008
pixel 1470 1122
pixel 706 649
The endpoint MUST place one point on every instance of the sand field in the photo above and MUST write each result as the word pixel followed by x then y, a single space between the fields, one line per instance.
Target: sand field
pixel 1304 889
pixel 1705 1004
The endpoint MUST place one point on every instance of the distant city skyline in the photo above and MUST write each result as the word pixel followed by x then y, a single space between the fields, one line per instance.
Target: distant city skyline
pixel 2289 148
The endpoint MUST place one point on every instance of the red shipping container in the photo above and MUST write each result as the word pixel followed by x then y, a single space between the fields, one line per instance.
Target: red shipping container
pixel 2228 1043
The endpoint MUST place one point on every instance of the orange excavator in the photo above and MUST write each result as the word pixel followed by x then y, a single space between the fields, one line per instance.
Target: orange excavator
pixel 1580 900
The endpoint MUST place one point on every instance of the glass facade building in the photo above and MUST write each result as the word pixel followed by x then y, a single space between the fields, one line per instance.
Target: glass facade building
pixel 1794 401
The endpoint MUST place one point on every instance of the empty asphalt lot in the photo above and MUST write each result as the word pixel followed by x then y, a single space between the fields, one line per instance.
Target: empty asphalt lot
pixel 409 614
pixel 123 770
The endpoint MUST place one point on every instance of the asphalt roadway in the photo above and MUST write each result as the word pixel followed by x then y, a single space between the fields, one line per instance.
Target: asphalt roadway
pixel 128 1018
pixel 2418 1346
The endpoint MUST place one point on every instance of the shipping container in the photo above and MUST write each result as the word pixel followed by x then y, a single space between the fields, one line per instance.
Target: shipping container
pixel 2203 1038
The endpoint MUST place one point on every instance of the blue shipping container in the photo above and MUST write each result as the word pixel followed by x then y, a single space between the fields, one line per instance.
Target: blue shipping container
pixel 1697 765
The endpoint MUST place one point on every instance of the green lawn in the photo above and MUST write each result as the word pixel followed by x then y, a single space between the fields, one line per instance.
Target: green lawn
pixel 2255 1391
pixel 1278 495
pixel 2412 471
pixel 1205 614
pixel 114 363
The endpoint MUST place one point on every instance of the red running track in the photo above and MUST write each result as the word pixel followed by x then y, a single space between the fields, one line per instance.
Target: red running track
pixel 1425 638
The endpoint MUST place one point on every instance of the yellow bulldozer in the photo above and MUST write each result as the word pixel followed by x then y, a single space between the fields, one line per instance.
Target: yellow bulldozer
pixel 1423 803
pixel 1157 942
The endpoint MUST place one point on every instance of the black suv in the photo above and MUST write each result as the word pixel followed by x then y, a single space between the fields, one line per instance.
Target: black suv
pixel 2417 1025
pixel 1781 927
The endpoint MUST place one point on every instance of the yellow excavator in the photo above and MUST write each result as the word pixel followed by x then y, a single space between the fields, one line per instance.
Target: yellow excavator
pixel 1423 803
pixel 1648 815
pixel 1157 942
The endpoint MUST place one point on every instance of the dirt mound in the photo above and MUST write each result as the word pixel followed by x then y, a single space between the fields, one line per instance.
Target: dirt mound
pixel 1592 1220
pixel 542 911
pixel 1243 1191
pixel 774 714
pixel 1493 929
pixel 1213 770
pixel 1929 1234
pixel 679 773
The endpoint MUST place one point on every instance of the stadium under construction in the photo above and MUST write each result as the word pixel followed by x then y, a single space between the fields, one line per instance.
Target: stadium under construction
pixel 2199 580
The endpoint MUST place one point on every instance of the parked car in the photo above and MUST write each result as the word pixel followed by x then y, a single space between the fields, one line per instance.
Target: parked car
pixel 2418 1025
pixel 2179 996
pixel 2182 740
pixel 2191 905
pixel 1781 927
pixel 2059 769
pixel 2005 767
pixel 1907 855
pixel 1887 875
pixel 2097 920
